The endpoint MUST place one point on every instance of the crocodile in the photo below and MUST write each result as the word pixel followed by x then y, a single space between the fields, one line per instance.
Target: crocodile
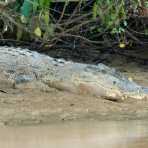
pixel 23 67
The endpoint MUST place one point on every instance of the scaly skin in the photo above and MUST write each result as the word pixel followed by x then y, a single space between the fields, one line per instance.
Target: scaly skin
pixel 20 67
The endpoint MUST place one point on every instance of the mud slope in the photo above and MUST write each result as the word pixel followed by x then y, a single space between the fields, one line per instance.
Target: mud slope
pixel 28 105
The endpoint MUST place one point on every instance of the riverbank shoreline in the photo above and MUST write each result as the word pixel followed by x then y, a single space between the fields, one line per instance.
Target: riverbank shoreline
pixel 31 106
pixel 28 107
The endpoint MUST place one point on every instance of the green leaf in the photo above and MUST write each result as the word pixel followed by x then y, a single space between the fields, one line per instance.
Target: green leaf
pixel 23 19
pixel 46 17
pixel 35 5
pixel 94 11
pixel 19 33
pixel 26 8
pixel 38 32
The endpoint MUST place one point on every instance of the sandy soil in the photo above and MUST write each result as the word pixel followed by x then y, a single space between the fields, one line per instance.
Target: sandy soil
pixel 27 106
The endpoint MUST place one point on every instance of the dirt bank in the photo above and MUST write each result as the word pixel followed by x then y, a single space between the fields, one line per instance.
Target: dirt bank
pixel 34 107
pixel 29 106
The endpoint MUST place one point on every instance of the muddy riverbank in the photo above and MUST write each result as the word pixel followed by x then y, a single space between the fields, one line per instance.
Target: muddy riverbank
pixel 20 106
pixel 31 106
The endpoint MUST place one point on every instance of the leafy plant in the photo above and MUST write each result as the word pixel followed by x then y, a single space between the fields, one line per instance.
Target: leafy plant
pixel 35 17
pixel 111 13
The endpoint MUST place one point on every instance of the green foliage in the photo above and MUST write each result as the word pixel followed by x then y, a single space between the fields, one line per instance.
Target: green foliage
pixel 35 13
pixel 35 17
pixel 112 13
pixel 146 4
pixel 135 4
pixel 32 6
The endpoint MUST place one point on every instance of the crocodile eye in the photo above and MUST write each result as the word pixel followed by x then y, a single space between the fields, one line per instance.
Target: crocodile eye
pixel 103 71
pixel 114 82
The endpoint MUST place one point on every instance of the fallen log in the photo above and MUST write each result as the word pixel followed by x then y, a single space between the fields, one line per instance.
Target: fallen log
pixel 22 67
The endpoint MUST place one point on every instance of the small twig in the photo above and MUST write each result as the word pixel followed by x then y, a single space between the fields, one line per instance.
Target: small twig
pixel 78 18
pixel 133 37
pixel 75 10
pixel 134 31
pixel 3 91
pixel 63 11
pixel 13 40
pixel 83 38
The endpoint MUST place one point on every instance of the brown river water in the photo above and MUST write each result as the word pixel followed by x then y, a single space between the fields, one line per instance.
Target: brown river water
pixel 84 134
